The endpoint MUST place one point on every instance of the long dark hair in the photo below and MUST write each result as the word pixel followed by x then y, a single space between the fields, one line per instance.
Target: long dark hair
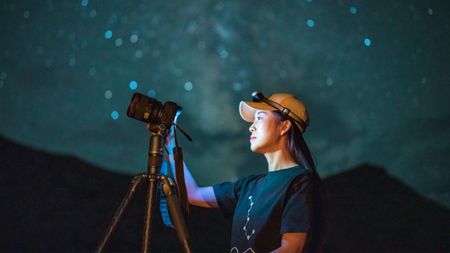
pixel 317 198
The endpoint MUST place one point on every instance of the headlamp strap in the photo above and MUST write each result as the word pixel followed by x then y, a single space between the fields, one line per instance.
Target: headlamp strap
pixel 259 97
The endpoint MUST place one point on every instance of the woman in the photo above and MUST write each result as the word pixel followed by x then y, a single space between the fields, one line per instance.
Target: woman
pixel 282 209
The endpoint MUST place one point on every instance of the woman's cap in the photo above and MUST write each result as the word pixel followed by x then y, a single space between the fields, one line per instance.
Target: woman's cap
pixel 297 110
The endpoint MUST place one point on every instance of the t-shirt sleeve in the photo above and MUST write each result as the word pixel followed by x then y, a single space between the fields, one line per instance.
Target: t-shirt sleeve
pixel 296 216
pixel 227 195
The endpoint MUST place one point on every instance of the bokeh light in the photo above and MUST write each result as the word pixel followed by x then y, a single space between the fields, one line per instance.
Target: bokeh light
pixel 151 93
pixel 223 52
pixel 118 42
pixel 93 13
pixel 108 94
pixel 138 54
pixel 108 34
pixel 329 81
pixel 188 86
pixel 133 85
pixel 92 71
pixel 115 115
pixel 134 38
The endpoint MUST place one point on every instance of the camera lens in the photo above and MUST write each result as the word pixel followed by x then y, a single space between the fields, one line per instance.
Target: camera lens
pixel 144 108
pixel 151 111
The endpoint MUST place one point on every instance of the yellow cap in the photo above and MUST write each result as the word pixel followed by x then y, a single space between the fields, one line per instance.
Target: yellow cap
pixel 297 109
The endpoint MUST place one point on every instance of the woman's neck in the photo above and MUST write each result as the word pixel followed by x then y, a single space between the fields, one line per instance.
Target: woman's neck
pixel 279 160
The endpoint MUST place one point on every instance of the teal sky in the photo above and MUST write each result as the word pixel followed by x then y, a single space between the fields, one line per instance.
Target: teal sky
pixel 374 75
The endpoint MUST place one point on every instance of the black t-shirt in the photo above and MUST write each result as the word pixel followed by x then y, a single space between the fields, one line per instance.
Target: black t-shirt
pixel 264 207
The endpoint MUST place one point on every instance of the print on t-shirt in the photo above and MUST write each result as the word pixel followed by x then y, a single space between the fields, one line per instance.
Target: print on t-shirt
pixel 245 228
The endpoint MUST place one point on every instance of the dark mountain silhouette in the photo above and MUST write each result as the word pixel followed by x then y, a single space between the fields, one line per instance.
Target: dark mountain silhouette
pixel 371 211
pixel 58 203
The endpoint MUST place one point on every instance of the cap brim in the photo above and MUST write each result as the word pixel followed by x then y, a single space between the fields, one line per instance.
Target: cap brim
pixel 247 109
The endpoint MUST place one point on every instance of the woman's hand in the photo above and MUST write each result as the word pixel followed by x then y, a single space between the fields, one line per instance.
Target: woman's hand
pixel 292 242
pixel 170 140
pixel 198 196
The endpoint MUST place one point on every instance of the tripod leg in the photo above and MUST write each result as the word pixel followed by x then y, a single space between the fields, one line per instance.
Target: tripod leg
pixel 123 205
pixel 176 215
pixel 155 158
pixel 151 198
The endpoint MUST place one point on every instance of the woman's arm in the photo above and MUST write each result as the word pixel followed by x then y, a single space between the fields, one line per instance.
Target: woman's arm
pixel 198 196
pixel 292 242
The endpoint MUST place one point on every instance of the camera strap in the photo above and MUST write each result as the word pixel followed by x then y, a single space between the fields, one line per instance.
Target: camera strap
pixel 163 207
pixel 179 174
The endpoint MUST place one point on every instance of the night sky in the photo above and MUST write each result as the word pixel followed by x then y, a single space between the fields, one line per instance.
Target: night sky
pixel 375 76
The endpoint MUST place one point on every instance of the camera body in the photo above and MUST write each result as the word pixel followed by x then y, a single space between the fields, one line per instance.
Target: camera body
pixel 149 110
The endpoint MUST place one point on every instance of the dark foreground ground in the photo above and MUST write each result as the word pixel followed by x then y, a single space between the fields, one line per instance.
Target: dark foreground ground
pixel 53 203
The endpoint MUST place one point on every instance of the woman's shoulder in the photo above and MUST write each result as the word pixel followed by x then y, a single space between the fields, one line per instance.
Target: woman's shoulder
pixel 288 174
pixel 252 178
pixel 301 181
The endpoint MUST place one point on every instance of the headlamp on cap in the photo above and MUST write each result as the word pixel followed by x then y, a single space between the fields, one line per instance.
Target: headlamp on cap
pixel 258 96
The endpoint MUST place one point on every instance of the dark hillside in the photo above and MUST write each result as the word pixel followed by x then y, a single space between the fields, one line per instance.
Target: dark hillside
pixel 56 203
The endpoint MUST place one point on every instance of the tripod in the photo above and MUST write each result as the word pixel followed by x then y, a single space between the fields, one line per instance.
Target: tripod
pixel 155 157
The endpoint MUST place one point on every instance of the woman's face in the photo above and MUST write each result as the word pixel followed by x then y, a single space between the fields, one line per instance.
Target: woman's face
pixel 266 132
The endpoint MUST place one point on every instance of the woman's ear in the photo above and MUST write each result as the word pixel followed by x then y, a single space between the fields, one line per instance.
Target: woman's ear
pixel 285 126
